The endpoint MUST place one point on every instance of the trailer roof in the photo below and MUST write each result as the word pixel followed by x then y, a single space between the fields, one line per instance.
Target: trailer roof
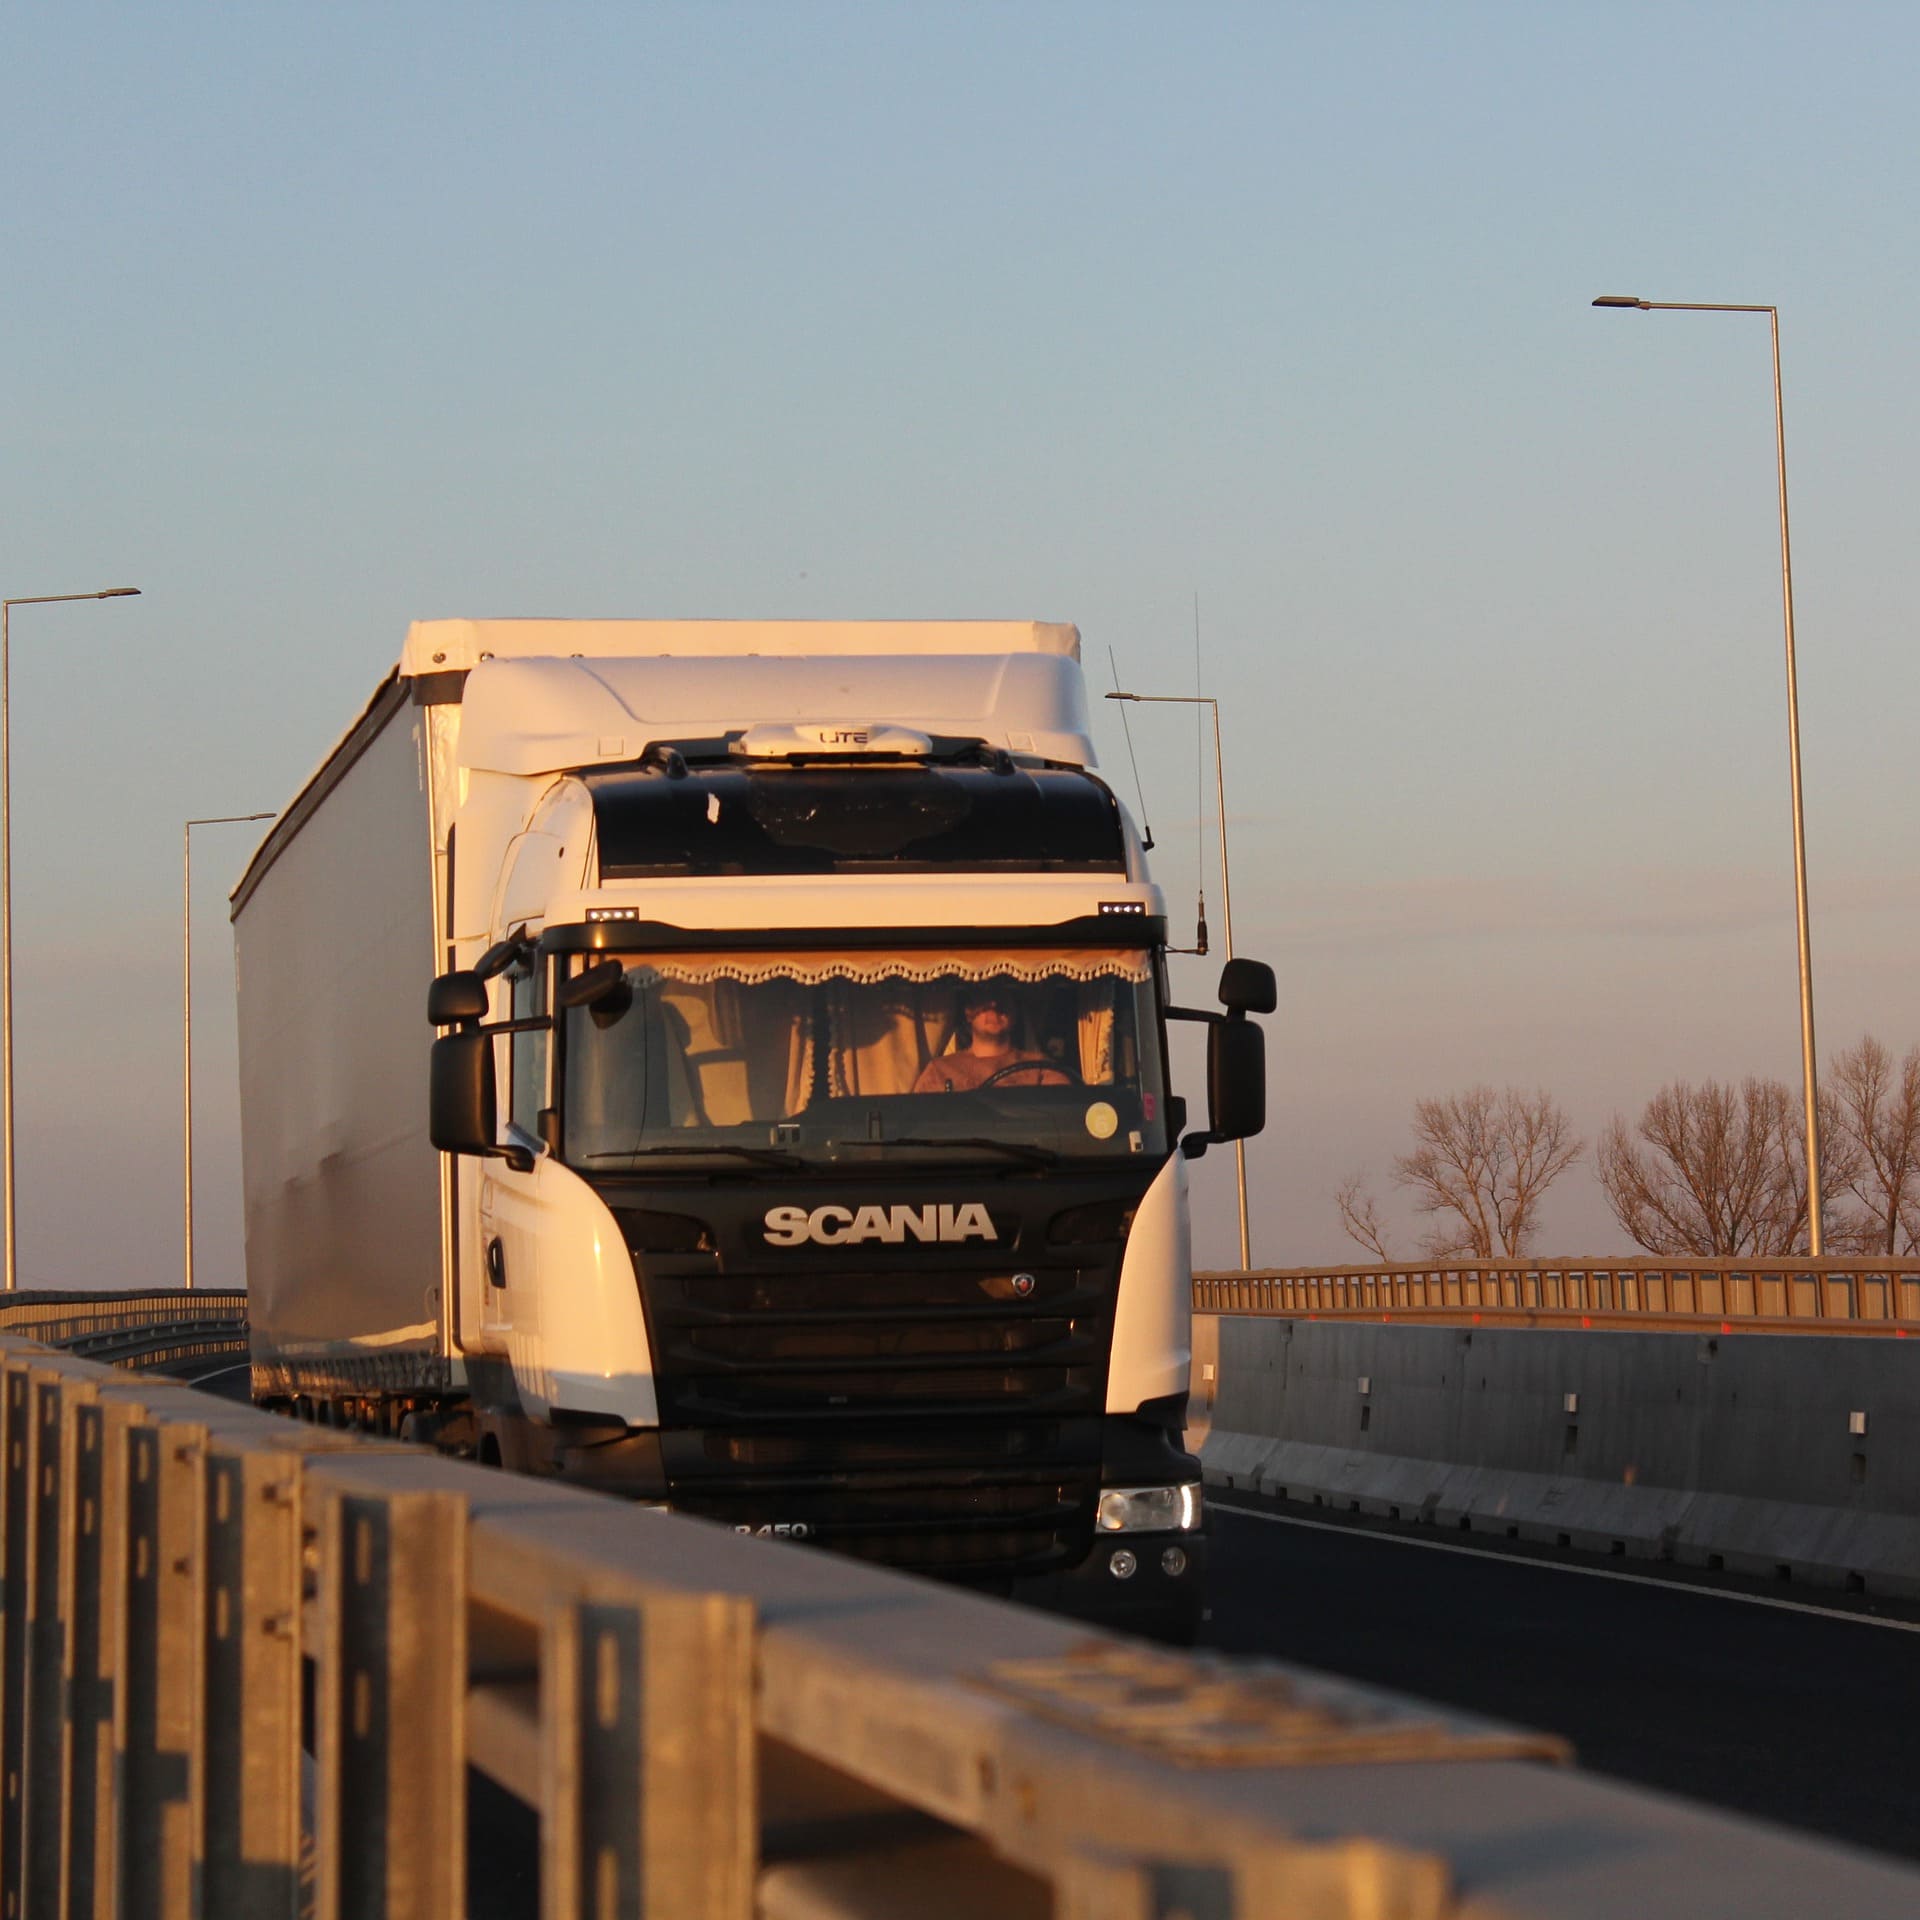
pixel 447 646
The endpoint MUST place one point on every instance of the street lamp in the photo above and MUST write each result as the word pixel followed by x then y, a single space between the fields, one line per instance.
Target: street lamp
pixel 1226 898
pixel 1809 1084
pixel 186 1007
pixel 6 887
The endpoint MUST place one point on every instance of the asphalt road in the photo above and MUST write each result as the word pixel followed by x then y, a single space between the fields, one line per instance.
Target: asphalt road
pixel 1755 1700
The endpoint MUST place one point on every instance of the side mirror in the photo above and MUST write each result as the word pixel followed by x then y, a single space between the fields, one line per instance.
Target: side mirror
pixel 602 987
pixel 502 954
pixel 456 998
pixel 461 1113
pixel 1248 986
pixel 1236 1077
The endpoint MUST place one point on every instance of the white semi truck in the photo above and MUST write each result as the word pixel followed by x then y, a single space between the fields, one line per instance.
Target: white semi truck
pixel 797 1147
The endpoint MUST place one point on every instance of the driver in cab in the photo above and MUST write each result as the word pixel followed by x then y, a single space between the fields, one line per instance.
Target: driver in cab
pixel 990 1055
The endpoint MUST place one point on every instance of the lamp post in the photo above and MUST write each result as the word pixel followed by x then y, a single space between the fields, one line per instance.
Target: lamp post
pixel 6 885
pixel 1807 1071
pixel 1226 898
pixel 186 1010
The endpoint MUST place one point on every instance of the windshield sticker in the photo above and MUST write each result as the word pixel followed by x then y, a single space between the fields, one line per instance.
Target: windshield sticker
pixel 1102 1120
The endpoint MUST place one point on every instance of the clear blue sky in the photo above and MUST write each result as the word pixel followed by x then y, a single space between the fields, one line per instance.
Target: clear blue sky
pixel 319 320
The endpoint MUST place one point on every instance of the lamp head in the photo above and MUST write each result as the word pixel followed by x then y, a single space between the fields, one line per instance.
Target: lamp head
pixel 118 593
pixel 1622 300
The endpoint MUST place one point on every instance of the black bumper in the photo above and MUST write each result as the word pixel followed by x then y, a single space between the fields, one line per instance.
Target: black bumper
pixel 1151 1601
pixel 1002 1507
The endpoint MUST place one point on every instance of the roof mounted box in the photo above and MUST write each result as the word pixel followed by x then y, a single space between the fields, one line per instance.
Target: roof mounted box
pixel 530 716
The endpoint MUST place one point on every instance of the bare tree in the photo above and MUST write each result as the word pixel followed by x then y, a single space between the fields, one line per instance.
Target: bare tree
pixel 1360 1216
pixel 1875 1126
pixel 1722 1171
pixel 1481 1165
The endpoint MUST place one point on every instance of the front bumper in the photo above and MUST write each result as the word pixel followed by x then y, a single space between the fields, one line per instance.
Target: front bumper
pixel 944 1513
pixel 1151 1602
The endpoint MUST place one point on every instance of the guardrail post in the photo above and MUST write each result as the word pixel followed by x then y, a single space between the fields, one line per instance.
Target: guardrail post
pixel 17 1441
pixel 91 1646
pixel 391 1712
pixel 250 1641
pixel 44 1776
pixel 650 1790
pixel 155 1708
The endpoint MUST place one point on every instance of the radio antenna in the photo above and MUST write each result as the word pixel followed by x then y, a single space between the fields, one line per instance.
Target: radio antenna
pixel 1139 792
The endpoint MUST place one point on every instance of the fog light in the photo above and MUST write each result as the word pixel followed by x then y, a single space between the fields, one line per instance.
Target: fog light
pixel 1122 1565
pixel 1173 1563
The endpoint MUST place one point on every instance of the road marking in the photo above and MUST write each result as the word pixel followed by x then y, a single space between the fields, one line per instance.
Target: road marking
pixel 1555 1566
pixel 239 1366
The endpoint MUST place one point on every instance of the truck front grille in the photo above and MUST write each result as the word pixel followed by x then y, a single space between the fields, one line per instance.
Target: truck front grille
pixel 940 1419
pixel 944 1342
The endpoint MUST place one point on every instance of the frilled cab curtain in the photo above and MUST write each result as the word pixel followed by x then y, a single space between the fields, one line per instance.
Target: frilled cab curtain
pixel 1031 965
pixel 726 1038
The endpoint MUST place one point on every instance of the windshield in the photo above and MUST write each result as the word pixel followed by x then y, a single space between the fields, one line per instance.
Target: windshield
pixel 730 819
pixel 1025 1055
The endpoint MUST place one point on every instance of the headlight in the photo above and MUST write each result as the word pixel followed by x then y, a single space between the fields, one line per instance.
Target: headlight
pixel 1150 1509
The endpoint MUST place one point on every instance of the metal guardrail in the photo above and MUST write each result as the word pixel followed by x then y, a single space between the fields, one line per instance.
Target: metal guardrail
pixel 152 1328
pixel 708 1726
pixel 1844 1295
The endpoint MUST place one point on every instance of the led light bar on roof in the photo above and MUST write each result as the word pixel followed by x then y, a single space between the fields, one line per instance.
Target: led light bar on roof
pixel 774 742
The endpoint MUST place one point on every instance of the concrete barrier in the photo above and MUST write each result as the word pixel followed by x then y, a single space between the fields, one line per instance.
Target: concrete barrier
pixel 1789 1458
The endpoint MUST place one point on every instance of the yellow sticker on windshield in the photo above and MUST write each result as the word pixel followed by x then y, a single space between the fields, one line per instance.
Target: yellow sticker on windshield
pixel 1102 1121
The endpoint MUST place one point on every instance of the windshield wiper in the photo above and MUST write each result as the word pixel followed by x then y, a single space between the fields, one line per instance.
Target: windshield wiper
pixel 1013 1149
pixel 760 1156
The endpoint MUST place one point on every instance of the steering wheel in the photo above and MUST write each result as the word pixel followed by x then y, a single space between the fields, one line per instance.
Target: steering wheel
pixel 1063 1076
